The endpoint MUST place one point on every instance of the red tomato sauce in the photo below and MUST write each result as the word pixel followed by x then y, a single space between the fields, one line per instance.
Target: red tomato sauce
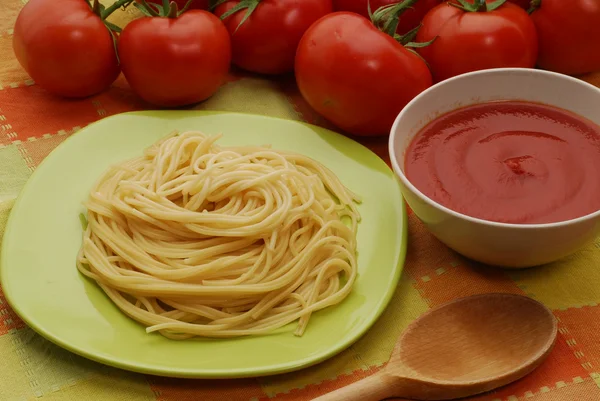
pixel 510 162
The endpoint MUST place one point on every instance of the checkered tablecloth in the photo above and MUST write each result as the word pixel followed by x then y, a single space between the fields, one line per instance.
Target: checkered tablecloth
pixel 32 123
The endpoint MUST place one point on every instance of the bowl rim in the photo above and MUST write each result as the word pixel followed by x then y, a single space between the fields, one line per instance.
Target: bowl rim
pixel 394 158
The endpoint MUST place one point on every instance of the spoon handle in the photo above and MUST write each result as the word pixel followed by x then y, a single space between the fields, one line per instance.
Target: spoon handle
pixel 373 388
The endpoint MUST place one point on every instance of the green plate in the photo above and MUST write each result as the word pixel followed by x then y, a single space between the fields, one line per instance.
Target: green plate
pixel 43 235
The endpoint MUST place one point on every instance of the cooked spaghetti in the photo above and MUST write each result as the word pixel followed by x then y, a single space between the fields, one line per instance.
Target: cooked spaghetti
pixel 192 239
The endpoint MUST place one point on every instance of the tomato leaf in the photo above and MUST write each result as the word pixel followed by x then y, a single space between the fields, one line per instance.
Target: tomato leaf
pixel 386 18
pixel 186 6
pixel 112 27
pixel 420 44
pixel 249 5
pixel 494 5
pixel 116 47
pixel 166 8
pixel 97 7
pixel 407 39
pixel 103 12
pixel 369 9
pixel 478 5
pixel 463 5
pixel 391 24
pixel 466 3
pixel 410 35
pixel 146 9
pixel 390 17
pixel 216 3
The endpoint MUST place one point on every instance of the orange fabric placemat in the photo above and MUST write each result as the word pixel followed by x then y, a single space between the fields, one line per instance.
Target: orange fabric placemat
pixel 32 123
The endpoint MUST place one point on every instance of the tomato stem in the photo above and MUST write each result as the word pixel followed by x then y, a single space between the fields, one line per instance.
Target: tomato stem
pixel 494 5
pixel 173 11
pixel 166 8
pixel 186 6
pixel 147 8
pixel 387 18
pixel 249 5
pixel 96 8
pixel 478 5
pixel 114 7
pixel 535 4
pixel 103 13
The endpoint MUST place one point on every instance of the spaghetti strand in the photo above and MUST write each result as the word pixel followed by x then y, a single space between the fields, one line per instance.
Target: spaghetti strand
pixel 191 239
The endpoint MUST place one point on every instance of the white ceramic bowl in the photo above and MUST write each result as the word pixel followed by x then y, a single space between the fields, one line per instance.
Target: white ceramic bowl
pixel 508 245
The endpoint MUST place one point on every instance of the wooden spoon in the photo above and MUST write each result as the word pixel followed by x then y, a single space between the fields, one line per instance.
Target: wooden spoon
pixel 465 347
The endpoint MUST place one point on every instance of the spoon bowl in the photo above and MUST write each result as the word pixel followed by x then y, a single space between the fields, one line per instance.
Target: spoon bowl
pixel 465 347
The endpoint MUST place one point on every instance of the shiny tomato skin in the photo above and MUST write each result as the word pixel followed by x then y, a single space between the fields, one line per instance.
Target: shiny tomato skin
pixel 409 20
pixel 356 76
pixel 175 62
pixel 472 41
pixel 569 35
pixel 65 47
pixel 266 42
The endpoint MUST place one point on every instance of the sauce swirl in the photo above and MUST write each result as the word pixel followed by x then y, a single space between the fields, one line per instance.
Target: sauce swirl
pixel 510 162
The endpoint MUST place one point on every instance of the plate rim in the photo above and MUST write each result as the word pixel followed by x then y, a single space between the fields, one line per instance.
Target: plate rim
pixel 203 373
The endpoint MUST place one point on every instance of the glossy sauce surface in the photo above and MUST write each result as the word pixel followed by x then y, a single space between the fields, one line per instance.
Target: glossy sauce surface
pixel 511 162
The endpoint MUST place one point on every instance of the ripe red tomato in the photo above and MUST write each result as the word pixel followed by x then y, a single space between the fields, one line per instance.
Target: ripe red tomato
pixel 175 61
pixel 471 41
pixel 65 47
pixel 569 35
pixel 266 42
pixel 409 20
pixel 356 76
